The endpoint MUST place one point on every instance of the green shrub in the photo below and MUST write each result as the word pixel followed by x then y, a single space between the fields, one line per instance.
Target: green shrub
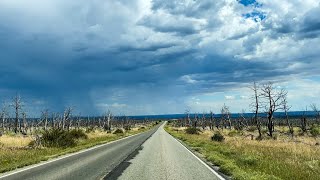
pixel 192 130
pixel 61 138
pixel 57 138
pixel 118 131
pixel 78 134
pixel 217 137
pixel 315 131
pixel 127 127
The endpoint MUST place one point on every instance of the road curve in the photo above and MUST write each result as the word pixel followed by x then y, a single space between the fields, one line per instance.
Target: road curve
pixel 162 157
pixel 95 163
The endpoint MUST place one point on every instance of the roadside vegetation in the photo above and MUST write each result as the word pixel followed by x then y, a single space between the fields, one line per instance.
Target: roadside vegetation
pixel 19 150
pixel 261 146
pixel 25 141
pixel 242 158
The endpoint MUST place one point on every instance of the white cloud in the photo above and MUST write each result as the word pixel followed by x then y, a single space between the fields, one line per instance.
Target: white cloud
pixel 230 97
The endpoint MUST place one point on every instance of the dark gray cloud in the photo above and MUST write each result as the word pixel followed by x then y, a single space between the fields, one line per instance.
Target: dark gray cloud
pixel 141 57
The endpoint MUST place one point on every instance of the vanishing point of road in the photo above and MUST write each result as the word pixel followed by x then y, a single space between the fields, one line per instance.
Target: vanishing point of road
pixel 152 155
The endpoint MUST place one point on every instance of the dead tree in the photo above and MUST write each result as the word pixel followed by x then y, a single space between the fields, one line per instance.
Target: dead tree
pixel 3 115
pixel 241 121
pixel 225 112
pixel 203 121
pixel 45 115
pixel 25 125
pixel 66 118
pixel 255 105
pixel 304 122
pixel 79 121
pixel 273 102
pixel 286 108
pixel 211 120
pixel 17 105
pixel 195 121
pixel 316 111
pixel 188 120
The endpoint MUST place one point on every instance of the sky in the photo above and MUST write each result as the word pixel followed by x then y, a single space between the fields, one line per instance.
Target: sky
pixel 156 56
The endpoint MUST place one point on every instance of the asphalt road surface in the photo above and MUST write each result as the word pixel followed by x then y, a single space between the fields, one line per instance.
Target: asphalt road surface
pixel 151 155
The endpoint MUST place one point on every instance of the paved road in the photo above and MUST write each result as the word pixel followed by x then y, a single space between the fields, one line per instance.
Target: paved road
pixel 92 164
pixel 162 157
pixel 153 155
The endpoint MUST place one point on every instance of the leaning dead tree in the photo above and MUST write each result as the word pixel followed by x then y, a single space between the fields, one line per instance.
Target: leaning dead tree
pixel 273 101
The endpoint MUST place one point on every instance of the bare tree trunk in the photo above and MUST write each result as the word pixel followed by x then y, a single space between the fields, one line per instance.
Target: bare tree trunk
pixel 274 100
pixel 17 104
pixel 24 115
pixel 256 108
pixel 211 120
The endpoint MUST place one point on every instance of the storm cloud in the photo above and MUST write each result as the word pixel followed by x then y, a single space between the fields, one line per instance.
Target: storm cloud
pixel 153 56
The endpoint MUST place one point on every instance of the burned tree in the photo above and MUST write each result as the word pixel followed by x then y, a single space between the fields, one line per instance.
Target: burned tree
pixel 316 110
pixel 25 125
pixel 17 105
pixel 188 120
pixel 286 108
pixel 107 121
pixel 211 120
pixel 255 105
pixel 273 101
pixel 225 115
pixel 203 121
pixel 66 118
pixel 304 121
pixel 4 115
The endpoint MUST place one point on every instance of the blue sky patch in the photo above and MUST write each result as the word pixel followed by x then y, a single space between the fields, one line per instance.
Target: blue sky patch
pixel 256 16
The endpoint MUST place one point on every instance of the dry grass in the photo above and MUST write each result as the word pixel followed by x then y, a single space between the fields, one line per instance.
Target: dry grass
pixel 14 152
pixel 243 158
pixel 14 141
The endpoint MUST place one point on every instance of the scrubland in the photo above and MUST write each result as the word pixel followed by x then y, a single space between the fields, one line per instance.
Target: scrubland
pixel 241 156
pixel 18 150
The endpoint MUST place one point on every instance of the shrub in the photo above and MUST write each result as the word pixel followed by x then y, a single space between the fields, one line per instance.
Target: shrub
pixel 127 127
pixel 57 138
pixel 118 131
pixel 192 130
pixel 78 134
pixel 315 131
pixel 90 129
pixel 251 128
pixel 234 133
pixel 61 138
pixel 217 137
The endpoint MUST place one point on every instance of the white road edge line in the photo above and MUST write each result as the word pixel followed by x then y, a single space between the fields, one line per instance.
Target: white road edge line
pixel 205 164
pixel 62 157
